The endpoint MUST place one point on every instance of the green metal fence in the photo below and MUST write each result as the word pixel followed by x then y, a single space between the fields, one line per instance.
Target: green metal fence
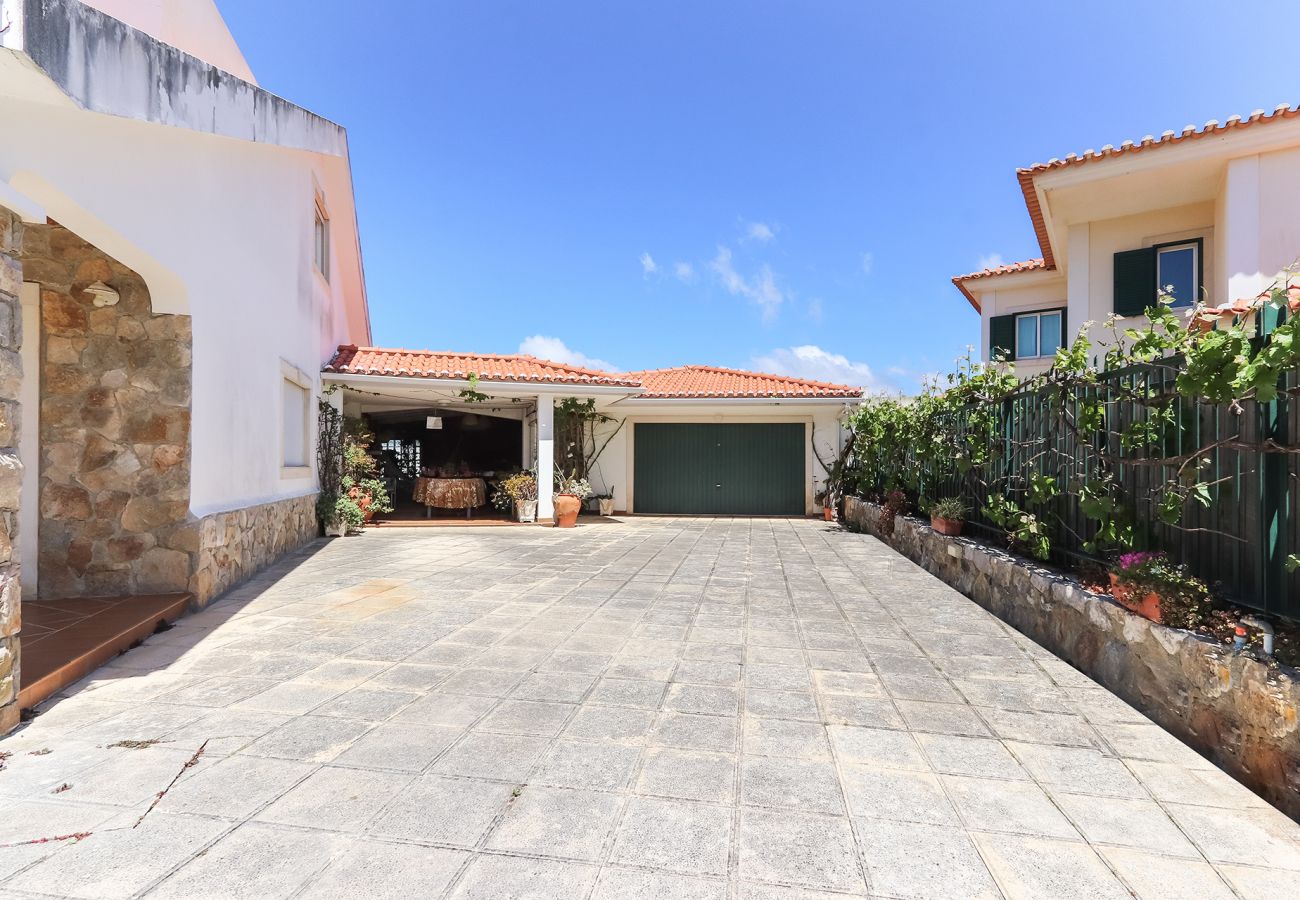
pixel 1238 543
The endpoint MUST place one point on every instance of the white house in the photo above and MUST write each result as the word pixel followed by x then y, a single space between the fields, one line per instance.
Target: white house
pixel 1210 211
pixel 178 257
pixel 688 440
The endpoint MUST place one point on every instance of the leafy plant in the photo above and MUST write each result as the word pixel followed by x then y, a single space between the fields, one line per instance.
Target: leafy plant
pixel 570 483
pixel 1183 597
pixel 949 508
pixel 520 486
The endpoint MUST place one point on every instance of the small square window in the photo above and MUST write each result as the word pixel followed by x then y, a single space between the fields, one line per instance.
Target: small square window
pixel 1026 337
pixel 1177 272
pixel 321 241
pixel 1038 334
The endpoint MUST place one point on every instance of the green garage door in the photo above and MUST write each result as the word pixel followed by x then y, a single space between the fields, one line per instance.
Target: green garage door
pixel 736 470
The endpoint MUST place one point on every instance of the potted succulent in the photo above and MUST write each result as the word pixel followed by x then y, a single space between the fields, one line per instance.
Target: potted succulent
pixel 1156 588
pixel 948 516
pixel 521 489
pixel 570 492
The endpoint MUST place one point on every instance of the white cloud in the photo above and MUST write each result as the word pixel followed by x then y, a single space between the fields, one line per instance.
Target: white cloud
pixel 648 264
pixel 761 289
pixel 684 271
pixel 556 350
pixel 759 231
pixel 991 261
pixel 868 262
pixel 811 361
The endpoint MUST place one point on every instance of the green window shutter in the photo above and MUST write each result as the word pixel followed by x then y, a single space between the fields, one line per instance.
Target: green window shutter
pixel 1002 336
pixel 1135 281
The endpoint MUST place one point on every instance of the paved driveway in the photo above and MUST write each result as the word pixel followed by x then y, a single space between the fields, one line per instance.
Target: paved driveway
pixel 661 709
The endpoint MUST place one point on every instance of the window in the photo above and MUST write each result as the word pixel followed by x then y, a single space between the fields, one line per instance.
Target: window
pixel 1038 334
pixel 1177 267
pixel 294 409
pixel 321 239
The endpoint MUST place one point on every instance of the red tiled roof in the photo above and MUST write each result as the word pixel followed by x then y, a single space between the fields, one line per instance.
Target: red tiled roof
pixel 353 360
pixel 712 381
pixel 1029 265
pixel 1212 128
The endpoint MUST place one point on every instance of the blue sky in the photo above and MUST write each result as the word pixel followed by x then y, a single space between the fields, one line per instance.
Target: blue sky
pixel 782 185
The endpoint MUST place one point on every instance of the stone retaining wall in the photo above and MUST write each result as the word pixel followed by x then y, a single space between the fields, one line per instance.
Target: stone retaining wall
pixel 235 545
pixel 11 470
pixel 1235 710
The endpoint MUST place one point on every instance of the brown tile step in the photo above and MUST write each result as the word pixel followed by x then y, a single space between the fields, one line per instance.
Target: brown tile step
pixel 76 637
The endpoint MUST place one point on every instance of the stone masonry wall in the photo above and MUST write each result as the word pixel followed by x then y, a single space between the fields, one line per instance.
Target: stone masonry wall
pixel 115 428
pixel 234 545
pixel 1235 710
pixel 11 376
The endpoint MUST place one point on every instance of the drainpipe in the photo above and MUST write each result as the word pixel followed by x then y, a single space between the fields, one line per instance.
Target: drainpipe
pixel 1263 625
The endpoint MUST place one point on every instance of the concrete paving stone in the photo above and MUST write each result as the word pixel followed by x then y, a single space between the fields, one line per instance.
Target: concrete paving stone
pixel 216 691
pixel 803 784
pixel 839 660
pixel 753 890
pixel 291 698
pixel 383 871
pixel 775 656
pixel 877 747
pixel 610 723
pixel 942 718
pixel 503 757
pixel 688 775
pixel 121 861
pixel 1154 877
pixel 673 836
pixel 309 738
pixel 34 768
pixel 919 687
pixel 629 884
pixel 34 819
pixel 527 717
pixel 126 777
pixel 145 721
pixel 437 708
pixel 778 678
pixel 234 787
pixel 1259 837
pixel 871 712
pixel 1139 824
pixel 704 699
pixel 366 703
pixel 640 668
pixel 695 732
pixel 783 737
pixel 1014 806
pixel 481 682
pixel 1080 770
pixel 1031 868
pixel 693 671
pixel 265 861
pixel 980 757
pixel 399 747
pixel 434 809
pixel 923 862
pixel 798 705
pixel 565 688
pixel 1257 883
pixel 335 799
pixel 1173 783
pixel 864 684
pixel 518 878
pixel 915 797
pixel 546 821
pixel 627 692
pixel 1147 741
pixel 580 764
pixel 1065 730
pixel 576 663
pixel 798 848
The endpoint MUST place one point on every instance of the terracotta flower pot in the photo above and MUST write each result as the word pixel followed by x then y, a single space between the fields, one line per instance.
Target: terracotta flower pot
pixel 567 507
pixel 950 527
pixel 828 513
pixel 1145 605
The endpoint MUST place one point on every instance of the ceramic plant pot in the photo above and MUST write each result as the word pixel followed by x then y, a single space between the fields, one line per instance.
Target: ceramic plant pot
pixel 950 527
pixel 1145 605
pixel 607 506
pixel 338 529
pixel 567 507
pixel 526 510
pixel 828 513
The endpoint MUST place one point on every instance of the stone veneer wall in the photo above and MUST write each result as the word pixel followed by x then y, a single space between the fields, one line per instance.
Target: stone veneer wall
pixel 234 545
pixel 1235 710
pixel 11 376
pixel 115 428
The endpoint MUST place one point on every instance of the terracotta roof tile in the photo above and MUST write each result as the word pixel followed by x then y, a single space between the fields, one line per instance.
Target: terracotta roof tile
pixel 353 360
pixel 1029 265
pixel 712 381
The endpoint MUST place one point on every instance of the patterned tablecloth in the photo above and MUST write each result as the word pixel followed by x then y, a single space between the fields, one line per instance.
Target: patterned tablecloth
pixel 451 493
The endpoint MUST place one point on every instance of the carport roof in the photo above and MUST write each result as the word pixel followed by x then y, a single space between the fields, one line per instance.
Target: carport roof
pixel 716 382
pixel 519 368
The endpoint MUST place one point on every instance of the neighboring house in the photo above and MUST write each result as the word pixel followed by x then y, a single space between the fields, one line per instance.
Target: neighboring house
pixel 178 257
pixel 695 440
pixel 1210 212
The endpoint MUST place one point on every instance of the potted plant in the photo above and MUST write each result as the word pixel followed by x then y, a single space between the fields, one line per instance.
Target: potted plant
pixel 823 498
pixel 570 492
pixel 1156 588
pixel 604 502
pixel 327 512
pixel 521 489
pixel 947 516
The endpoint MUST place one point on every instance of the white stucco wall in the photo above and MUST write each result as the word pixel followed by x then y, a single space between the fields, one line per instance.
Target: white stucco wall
pixel 195 26
pixel 220 229
pixel 615 466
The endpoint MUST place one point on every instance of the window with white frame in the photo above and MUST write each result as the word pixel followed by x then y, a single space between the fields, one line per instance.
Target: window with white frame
pixel 1178 271
pixel 1038 334
pixel 321 239
pixel 295 415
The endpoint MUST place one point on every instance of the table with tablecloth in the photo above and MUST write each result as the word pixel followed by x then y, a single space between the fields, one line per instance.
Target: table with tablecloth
pixel 451 493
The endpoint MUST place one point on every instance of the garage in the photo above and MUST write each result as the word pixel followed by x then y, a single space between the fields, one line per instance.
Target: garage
pixel 736 469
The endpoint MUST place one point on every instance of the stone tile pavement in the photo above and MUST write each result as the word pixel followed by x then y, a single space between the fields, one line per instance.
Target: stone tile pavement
pixel 754 709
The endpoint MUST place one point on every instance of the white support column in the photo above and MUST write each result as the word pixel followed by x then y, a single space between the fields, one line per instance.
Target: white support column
pixel 1241 239
pixel 1078 285
pixel 545 457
